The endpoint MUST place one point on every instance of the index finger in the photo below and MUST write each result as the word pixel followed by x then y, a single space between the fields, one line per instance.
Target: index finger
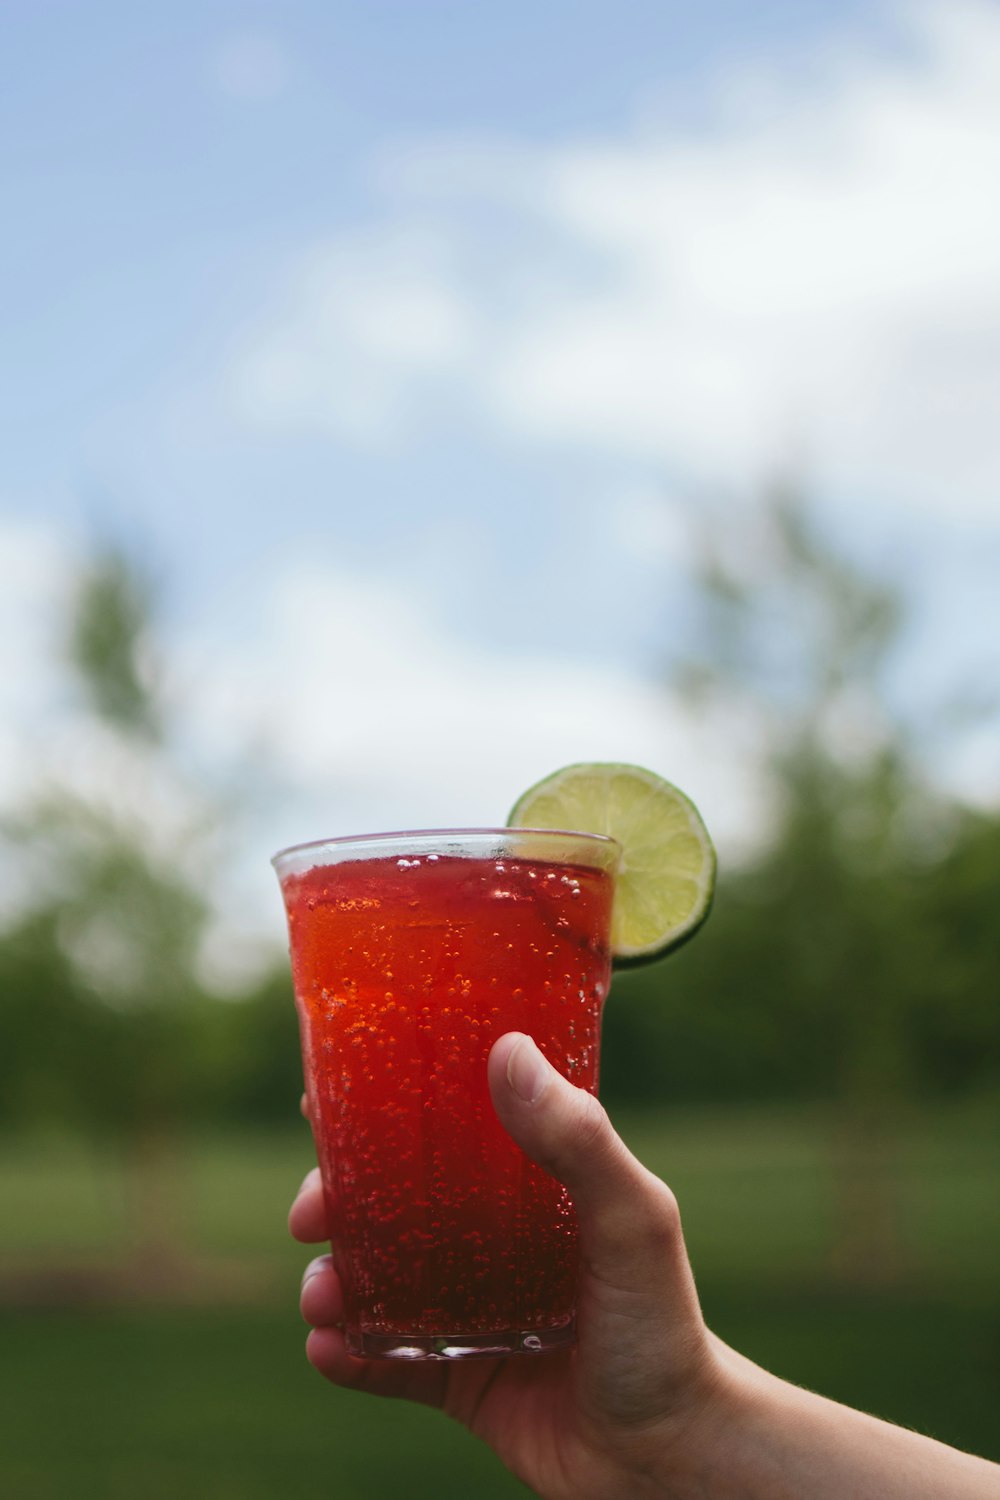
pixel 307 1215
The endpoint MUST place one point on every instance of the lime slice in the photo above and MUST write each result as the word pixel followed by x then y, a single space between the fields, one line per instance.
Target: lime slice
pixel 667 875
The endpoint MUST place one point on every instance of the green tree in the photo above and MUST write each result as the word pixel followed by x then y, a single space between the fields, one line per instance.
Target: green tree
pixel 957 1018
pixel 105 1013
pixel 827 932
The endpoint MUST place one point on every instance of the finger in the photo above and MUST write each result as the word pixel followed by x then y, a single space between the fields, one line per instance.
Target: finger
pixel 630 1230
pixel 642 1344
pixel 425 1382
pixel 321 1300
pixel 304 1107
pixel 307 1215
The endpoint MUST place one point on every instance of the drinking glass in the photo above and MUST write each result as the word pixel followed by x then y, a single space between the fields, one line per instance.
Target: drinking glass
pixel 411 954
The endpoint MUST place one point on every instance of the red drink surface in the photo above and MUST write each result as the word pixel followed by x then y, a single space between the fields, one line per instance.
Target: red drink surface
pixel 406 971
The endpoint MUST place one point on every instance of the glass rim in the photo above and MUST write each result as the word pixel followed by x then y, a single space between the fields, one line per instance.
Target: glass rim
pixel 410 836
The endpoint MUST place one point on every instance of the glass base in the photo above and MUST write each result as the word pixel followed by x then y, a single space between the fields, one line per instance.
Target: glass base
pixel 460 1345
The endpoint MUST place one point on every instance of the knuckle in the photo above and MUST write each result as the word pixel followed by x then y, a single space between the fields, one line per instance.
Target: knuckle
pixel 593 1128
pixel 660 1224
pixel 573 1135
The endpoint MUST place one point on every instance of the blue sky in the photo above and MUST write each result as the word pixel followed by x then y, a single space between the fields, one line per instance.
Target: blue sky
pixel 402 337
pixel 162 165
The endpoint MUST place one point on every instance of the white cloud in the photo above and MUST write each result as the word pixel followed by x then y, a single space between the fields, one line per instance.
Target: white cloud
pixel 35 573
pixel 372 716
pixel 344 704
pixel 826 278
pixel 817 277
pixel 252 66
pixel 363 698
pixel 361 321
pixel 648 524
pixel 969 770
pixel 52 747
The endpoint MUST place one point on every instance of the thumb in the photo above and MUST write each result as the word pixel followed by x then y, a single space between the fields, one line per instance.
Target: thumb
pixel 634 1264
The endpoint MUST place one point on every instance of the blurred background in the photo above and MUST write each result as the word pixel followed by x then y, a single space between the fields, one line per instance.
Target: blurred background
pixel 398 402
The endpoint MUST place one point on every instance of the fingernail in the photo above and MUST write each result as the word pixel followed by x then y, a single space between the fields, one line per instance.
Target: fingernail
pixel 314 1267
pixel 527 1070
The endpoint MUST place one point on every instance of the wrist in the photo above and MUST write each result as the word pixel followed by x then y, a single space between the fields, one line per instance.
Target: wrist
pixel 693 1450
pixel 729 1443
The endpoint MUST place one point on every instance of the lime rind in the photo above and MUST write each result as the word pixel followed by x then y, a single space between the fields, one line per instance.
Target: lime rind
pixel 666 878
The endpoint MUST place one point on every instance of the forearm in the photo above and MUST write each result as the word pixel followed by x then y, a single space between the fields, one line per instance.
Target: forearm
pixel 774 1441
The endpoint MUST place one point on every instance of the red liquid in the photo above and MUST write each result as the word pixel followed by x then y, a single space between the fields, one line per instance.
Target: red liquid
pixel 406 971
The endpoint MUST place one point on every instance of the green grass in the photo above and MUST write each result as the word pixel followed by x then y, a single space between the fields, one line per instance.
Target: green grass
pixel 212 1405
pixel 209 1405
pixel 758 1190
pixel 218 1402
pixel 761 1191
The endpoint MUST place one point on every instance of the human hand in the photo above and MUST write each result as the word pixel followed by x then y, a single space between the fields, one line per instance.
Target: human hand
pixel 648 1402
pixel 618 1413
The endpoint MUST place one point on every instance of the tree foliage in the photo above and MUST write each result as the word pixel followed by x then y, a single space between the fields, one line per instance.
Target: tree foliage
pixel 110 648
pixel 103 1002
pixel 854 957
